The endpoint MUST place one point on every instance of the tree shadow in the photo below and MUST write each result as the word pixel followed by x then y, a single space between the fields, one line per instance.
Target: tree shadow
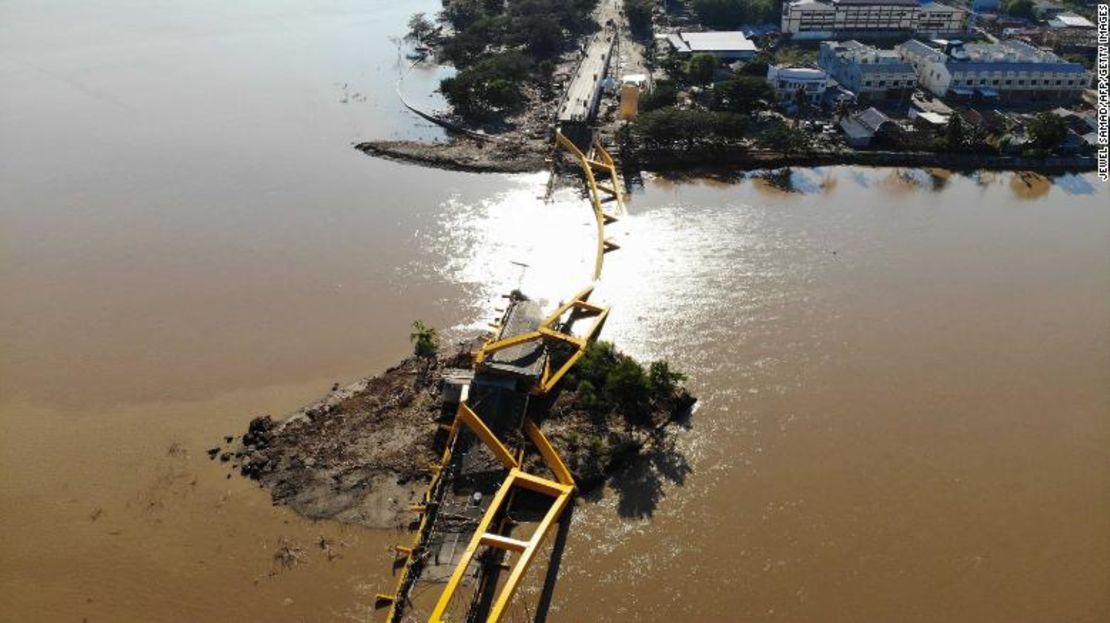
pixel 640 485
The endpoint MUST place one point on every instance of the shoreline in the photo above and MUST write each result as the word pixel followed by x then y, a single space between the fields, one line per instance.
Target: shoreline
pixel 468 156
pixel 458 154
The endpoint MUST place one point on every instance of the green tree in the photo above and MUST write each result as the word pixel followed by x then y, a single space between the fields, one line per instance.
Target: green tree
pixel 754 67
pixel 1019 8
pixel 742 94
pixel 638 13
pixel 788 139
pixel 955 135
pixel 668 127
pixel 420 28
pixel 663 93
pixel 801 101
pixel 663 381
pixel 701 68
pixel 425 339
pixel 627 388
pixel 493 83
pixel 461 13
pixel 724 14
pixel 1047 130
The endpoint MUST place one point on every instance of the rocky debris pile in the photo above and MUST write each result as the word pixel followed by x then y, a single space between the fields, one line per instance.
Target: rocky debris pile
pixel 361 454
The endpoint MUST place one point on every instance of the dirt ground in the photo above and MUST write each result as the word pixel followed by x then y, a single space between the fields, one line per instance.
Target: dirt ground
pixel 360 454
pixel 463 154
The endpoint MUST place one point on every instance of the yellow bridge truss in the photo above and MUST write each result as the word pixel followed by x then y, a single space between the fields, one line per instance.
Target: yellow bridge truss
pixel 603 185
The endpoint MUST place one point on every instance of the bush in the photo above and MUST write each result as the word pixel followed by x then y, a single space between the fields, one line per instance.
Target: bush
pixel 425 339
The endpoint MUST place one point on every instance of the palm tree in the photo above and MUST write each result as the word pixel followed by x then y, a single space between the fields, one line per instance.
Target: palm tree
pixel 802 102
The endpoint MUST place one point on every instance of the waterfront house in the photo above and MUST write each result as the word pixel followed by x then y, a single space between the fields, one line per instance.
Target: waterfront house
pixel 1010 70
pixel 860 128
pixel 788 80
pixel 868 72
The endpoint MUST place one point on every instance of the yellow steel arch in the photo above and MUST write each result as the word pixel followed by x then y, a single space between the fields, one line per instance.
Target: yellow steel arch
pixel 552 329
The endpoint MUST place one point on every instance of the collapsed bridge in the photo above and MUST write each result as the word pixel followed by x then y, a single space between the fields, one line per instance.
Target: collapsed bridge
pixel 484 516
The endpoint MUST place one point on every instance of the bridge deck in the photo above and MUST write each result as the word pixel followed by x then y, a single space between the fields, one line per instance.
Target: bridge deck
pixel 583 93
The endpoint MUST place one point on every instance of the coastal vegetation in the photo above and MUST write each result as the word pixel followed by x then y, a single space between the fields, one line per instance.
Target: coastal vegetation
pixel 727 14
pixel 361 453
pixel 502 47
pixel 612 408
pixel 425 339
pixel 638 13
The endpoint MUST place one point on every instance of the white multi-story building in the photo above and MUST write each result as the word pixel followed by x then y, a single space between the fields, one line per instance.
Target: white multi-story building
pixel 856 19
pixel 866 71
pixel 1007 70
pixel 788 80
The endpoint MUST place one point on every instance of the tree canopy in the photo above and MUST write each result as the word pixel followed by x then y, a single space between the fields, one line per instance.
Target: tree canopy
pixel 725 14
pixel 701 68
pixel 1019 8
pixel 742 94
pixel 1047 130
pixel 662 94
pixel 494 83
pixel 667 127
pixel 638 13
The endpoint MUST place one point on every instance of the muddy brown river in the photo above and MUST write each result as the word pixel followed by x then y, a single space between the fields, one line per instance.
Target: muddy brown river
pixel 905 375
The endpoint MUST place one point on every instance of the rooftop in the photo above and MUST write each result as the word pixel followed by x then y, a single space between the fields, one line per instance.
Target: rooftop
pixel 1014 55
pixel 870 59
pixel 716 41
pixel 1070 20
pixel 795 73
pixel 872 118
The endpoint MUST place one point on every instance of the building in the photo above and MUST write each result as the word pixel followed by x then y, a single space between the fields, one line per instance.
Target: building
pixel 868 72
pixel 858 19
pixel 1011 70
pixel 1068 32
pixel 788 80
pixel 861 127
pixel 725 45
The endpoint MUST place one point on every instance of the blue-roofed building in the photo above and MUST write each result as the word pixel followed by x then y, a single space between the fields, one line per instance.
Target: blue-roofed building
pixel 869 73
pixel 1010 70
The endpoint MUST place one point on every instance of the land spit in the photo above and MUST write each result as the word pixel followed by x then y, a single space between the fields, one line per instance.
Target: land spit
pixel 361 453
